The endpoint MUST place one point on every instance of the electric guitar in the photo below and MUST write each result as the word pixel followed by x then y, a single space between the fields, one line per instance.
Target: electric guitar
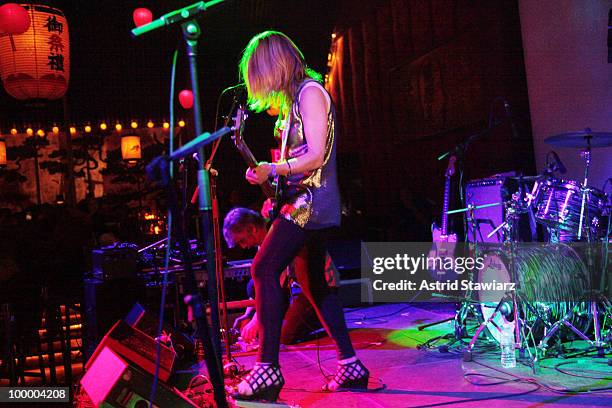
pixel 441 235
pixel 268 188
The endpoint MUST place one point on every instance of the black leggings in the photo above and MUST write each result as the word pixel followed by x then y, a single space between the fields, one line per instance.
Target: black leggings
pixel 284 242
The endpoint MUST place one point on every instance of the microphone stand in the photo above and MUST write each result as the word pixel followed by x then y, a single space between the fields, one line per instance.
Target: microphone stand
pixel 460 151
pixel 159 169
pixel 191 33
pixel 190 28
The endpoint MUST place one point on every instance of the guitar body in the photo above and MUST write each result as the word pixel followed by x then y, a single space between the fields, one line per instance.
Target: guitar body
pixel 444 243
pixel 443 247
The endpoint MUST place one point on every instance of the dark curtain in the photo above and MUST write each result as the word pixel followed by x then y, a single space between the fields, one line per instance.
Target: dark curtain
pixel 411 79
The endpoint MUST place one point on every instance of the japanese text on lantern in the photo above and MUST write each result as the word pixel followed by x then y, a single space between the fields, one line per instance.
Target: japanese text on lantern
pixel 56 47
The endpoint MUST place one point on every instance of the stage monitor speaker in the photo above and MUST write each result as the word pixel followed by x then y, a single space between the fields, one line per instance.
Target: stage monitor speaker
pixel 149 323
pixel 113 382
pixel 138 348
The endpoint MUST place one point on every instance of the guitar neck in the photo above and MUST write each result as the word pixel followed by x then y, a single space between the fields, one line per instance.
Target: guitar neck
pixel 444 226
pixel 247 155
pixel 267 187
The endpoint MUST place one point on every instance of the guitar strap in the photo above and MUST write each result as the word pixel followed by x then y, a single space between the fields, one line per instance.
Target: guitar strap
pixel 279 179
pixel 285 136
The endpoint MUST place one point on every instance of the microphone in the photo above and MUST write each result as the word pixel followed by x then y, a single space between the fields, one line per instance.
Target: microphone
pixel 508 109
pixel 176 16
pixel 559 165
pixel 239 91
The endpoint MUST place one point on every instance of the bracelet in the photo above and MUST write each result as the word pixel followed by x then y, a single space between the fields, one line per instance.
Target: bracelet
pixel 273 170
pixel 289 172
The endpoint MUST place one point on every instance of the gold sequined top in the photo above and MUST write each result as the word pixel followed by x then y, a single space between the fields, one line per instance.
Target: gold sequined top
pixel 311 200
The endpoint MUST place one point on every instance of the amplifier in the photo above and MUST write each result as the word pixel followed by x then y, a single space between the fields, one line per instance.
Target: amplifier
pixel 137 347
pixel 490 191
pixel 148 323
pixel 112 382
pixel 115 262
pixel 480 192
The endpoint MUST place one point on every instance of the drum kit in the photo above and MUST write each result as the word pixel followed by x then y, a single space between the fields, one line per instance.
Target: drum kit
pixel 561 282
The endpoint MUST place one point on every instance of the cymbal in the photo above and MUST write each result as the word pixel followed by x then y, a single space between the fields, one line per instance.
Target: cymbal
pixel 527 178
pixel 581 139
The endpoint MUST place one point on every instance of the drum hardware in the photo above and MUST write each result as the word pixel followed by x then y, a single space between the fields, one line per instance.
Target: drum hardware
pixel 468 305
pixel 508 305
pixel 471 220
pixel 585 140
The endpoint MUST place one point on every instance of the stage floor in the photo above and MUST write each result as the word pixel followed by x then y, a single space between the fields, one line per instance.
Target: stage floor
pixel 386 338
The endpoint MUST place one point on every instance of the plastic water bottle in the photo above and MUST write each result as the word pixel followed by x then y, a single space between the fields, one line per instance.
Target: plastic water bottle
pixel 508 357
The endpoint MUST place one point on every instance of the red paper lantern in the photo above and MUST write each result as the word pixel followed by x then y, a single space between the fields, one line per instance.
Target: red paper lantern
pixel 142 16
pixel 2 153
pixel 14 19
pixel 186 98
pixel 36 64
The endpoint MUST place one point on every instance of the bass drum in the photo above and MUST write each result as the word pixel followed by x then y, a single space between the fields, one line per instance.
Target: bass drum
pixel 550 281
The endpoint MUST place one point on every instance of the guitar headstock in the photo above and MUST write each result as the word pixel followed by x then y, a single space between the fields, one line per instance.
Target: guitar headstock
pixel 239 119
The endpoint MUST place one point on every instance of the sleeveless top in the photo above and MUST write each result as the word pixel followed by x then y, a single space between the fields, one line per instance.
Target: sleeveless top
pixel 311 200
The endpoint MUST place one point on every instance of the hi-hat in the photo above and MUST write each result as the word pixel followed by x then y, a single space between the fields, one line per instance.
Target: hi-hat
pixel 581 139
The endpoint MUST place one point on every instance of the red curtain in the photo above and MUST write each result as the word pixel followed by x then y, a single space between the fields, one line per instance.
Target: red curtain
pixel 413 78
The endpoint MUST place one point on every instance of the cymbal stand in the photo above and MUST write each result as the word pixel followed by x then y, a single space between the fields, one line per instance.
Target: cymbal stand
pixel 596 297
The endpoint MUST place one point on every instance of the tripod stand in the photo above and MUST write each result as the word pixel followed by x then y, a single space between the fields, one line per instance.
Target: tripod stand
pixel 508 305
pixel 595 298
pixel 467 305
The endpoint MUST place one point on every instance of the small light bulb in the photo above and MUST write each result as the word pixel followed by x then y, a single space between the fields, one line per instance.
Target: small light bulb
pixel 55 130
pixel 40 132
pixel 166 125
pixel 118 127
pixel 72 130
pixel 181 123
pixel 13 131
pixel 87 129
pixel 103 126
pixel 150 124
pixel 134 124
pixel 29 131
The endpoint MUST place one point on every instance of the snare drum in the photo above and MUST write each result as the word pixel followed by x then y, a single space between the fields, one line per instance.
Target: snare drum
pixel 558 204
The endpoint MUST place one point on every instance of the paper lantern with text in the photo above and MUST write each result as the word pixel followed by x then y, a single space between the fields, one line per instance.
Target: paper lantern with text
pixel 36 64
pixel 2 153
pixel 130 148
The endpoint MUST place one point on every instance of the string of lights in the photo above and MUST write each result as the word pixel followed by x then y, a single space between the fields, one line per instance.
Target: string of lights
pixel 87 127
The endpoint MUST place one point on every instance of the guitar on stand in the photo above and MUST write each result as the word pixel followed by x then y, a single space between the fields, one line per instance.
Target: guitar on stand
pixel 443 242
pixel 444 246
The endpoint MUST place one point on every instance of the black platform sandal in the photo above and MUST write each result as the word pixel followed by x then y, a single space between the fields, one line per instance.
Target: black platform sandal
pixel 264 382
pixel 351 376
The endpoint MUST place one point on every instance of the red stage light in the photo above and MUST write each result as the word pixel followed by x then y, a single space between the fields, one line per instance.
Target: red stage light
pixel 142 16
pixel 14 19
pixel 186 98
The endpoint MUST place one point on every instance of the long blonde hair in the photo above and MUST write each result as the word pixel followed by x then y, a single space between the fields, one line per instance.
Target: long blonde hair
pixel 273 68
